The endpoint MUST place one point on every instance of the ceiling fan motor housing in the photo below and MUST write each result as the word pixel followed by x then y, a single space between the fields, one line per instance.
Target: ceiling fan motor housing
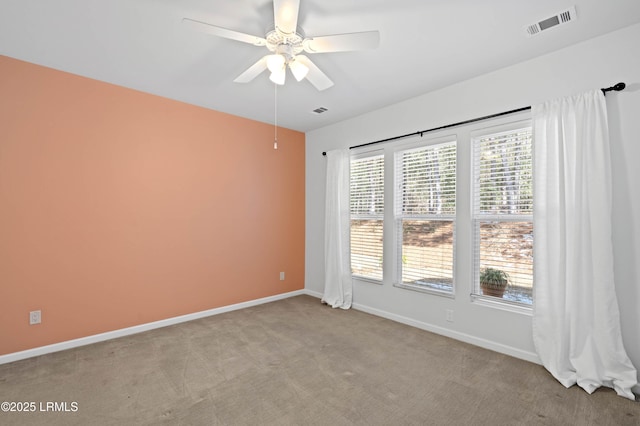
pixel 287 45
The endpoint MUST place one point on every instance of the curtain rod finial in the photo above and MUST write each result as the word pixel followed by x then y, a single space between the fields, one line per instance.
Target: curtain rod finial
pixel 618 87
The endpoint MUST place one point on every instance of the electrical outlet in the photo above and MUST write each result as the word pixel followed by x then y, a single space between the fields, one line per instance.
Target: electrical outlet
pixel 35 317
pixel 281 276
pixel 449 315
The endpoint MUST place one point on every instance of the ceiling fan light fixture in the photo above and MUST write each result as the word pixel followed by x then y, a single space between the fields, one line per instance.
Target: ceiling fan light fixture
pixel 278 76
pixel 286 42
pixel 298 69
pixel 275 63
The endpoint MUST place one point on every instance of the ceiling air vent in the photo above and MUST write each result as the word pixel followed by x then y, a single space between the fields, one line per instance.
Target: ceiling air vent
pixel 561 18
pixel 320 110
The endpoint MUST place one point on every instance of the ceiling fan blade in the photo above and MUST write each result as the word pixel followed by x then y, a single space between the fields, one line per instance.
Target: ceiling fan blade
pixel 342 42
pixel 223 32
pixel 285 15
pixel 315 76
pixel 253 71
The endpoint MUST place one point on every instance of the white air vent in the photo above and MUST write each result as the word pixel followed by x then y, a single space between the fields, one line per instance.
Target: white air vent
pixel 320 110
pixel 561 18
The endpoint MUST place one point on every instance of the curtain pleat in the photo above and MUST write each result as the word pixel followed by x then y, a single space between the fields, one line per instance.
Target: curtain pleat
pixel 576 322
pixel 338 288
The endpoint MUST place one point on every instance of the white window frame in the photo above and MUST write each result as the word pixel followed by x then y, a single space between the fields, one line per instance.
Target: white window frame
pixel 475 295
pixel 361 156
pixel 398 216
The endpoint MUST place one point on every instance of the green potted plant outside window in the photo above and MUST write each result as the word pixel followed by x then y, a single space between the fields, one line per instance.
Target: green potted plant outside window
pixel 493 282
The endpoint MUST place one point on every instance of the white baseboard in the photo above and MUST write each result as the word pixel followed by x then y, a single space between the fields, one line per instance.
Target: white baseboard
pixel 69 344
pixel 313 293
pixel 467 338
pixel 463 337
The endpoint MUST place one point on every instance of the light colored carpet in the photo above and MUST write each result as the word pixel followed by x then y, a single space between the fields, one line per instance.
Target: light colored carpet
pixel 297 362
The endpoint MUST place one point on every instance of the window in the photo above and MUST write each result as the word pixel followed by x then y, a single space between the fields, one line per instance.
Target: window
pixel 485 205
pixel 503 211
pixel 425 216
pixel 367 210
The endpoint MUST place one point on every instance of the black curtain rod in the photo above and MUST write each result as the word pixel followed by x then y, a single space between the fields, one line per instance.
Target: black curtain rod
pixel 617 87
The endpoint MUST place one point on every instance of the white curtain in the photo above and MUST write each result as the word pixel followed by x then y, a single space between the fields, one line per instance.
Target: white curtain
pixel 338 288
pixel 576 323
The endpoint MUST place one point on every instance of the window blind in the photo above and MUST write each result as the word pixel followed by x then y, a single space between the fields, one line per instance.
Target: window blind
pixel 503 210
pixel 503 183
pixel 367 209
pixel 425 215
pixel 427 179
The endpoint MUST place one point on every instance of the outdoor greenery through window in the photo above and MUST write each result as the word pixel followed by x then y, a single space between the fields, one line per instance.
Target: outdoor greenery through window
pixel 425 215
pixel 367 210
pixel 503 214
pixel 425 184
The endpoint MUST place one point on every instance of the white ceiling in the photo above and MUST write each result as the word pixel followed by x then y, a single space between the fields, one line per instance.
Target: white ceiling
pixel 424 45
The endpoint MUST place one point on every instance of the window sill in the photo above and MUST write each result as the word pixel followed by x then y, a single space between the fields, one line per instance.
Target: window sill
pixel 427 290
pixel 496 303
pixel 366 279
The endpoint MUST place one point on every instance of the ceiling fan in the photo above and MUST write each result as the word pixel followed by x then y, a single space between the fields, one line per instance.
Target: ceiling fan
pixel 286 41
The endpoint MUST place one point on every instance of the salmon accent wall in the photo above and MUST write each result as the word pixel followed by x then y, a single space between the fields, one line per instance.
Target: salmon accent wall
pixel 120 208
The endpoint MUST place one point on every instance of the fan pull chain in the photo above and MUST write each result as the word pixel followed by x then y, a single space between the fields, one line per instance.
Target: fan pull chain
pixel 275 109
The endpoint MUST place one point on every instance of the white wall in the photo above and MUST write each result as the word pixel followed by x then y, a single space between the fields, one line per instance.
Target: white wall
pixel 596 63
